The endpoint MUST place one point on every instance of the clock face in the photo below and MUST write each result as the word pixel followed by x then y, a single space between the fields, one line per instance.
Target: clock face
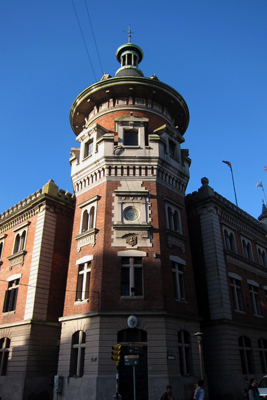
pixel 131 213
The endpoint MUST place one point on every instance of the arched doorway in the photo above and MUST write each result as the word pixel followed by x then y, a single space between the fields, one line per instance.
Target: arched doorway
pixel 133 379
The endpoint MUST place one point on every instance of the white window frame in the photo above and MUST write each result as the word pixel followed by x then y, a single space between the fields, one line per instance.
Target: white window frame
pixel 2 243
pixel 83 278
pixel 4 354
pixel 173 217
pixel 247 248
pixel 254 297
pixel 131 254
pixel 261 252
pixel 178 270
pixel 236 290
pixel 78 352
pixel 229 239
pixel 184 353
pixel 88 208
pixel 19 244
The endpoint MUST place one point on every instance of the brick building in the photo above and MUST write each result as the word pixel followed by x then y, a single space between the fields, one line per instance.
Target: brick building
pixel 34 249
pixel 230 268
pixel 118 262
pixel 130 277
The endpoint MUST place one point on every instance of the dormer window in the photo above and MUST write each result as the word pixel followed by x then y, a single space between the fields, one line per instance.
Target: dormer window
pixel 88 148
pixel 172 148
pixel 130 137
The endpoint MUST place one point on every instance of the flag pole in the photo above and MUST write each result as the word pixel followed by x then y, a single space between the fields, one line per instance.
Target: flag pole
pixel 230 165
pixel 260 184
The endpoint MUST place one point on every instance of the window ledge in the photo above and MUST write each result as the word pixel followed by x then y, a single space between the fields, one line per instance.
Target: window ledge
pixel 257 315
pixel 8 313
pixel 86 238
pixel 181 301
pixel 132 297
pixel 240 312
pixel 79 302
pixel 17 258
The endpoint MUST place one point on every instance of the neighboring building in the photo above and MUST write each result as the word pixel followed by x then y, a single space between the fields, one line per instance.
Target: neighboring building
pixel 230 267
pixel 34 249
pixel 130 277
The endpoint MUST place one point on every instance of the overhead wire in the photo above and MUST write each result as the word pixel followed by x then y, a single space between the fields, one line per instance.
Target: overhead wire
pixel 84 40
pixel 94 37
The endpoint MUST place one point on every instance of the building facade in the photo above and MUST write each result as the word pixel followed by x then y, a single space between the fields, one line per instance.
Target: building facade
pixel 34 249
pixel 130 278
pixel 230 267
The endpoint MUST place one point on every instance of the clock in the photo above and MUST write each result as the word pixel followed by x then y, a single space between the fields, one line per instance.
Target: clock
pixel 131 213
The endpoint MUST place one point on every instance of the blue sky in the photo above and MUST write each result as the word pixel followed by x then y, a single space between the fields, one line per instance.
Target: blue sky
pixel 212 52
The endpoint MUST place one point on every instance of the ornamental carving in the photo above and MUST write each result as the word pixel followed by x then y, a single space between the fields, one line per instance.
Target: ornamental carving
pixel 132 240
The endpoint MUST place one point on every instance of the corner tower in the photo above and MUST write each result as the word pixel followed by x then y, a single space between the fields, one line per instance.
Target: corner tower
pixel 130 276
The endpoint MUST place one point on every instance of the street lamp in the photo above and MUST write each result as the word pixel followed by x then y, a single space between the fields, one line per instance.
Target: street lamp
pixel 199 340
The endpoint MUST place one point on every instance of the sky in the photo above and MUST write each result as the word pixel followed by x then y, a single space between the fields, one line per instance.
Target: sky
pixel 212 52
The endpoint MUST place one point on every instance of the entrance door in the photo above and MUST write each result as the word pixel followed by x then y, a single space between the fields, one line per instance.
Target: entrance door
pixel 129 373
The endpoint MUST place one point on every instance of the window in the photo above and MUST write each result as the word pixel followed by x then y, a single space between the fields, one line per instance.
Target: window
pixel 262 257
pixel 130 137
pixel 229 240
pixel 178 281
pixel 20 240
pixel 173 218
pixel 83 282
pixel 11 295
pixel 131 276
pixel 237 294
pixel 262 343
pixel 77 354
pixel 172 148
pixel 254 297
pixel 1 249
pixel 4 353
pixel 88 214
pixel 247 252
pixel 184 352
pixel 88 219
pixel 88 148
pixel 245 354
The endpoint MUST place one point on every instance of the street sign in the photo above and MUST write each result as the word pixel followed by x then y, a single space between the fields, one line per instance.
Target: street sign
pixel 135 348
pixel 132 360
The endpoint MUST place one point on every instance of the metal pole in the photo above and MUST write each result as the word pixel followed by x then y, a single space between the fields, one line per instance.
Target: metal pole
pixel 134 383
pixel 233 184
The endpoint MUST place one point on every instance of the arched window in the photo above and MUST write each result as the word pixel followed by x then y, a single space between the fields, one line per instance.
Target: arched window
pixel 262 343
pixel 184 345
pixel 20 241
pixel 245 355
pixel 85 219
pixel 91 217
pixel 4 353
pixel 77 353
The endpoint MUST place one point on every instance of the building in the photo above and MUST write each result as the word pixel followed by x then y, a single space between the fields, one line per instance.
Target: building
pixel 34 249
pixel 130 278
pixel 230 267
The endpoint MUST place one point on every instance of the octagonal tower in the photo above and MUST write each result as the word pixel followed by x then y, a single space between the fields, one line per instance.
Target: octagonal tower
pixel 130 277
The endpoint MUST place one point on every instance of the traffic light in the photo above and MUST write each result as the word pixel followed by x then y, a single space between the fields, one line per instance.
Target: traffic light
pixel 116 354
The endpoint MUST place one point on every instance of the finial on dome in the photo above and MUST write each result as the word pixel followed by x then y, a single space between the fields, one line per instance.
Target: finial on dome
pixel 129 33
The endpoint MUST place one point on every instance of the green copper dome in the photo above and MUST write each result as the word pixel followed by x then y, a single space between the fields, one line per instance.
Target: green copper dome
pixel 129 56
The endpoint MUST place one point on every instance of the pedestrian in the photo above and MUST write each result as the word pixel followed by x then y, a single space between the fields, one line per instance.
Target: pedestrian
pixel 193 391
pixel 167 395
pixel 199 392
pixel 253 392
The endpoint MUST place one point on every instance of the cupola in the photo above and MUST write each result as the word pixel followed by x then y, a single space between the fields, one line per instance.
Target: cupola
pixel 129 56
